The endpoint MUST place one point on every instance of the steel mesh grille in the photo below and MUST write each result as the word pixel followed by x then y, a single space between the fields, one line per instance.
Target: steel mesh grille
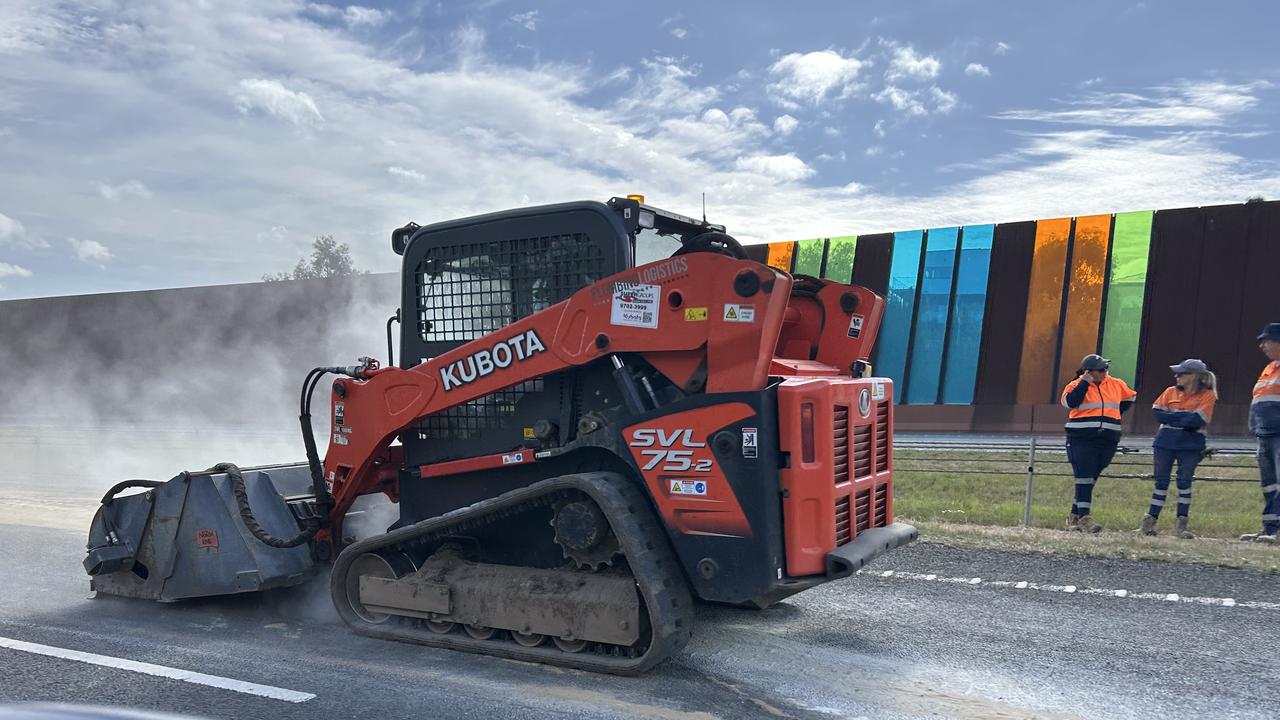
pixel 840 444
pixel 467 291
pixel 844 529
pixel 882 436
pixel 470 290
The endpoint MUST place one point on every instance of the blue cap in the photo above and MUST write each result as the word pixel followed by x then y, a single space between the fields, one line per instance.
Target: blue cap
pixel 1270 332
pixel 1190 365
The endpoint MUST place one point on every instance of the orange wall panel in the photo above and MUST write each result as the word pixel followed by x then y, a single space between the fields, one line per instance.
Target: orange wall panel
pixel 1044 306
pixel 780 254
pixel 1084 295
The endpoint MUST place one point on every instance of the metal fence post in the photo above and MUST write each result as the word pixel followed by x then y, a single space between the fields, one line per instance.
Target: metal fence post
pixel 1031 473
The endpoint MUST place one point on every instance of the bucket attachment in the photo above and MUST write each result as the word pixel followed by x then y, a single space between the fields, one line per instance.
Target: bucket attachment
pixel 185 538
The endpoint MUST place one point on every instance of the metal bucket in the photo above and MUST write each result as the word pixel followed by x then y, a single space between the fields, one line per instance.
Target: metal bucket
pixel 185 539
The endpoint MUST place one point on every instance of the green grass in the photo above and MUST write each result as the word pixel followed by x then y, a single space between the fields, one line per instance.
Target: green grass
pixel 937 486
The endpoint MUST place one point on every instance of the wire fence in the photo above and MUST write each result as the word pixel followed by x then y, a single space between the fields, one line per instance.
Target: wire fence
pixel 1041 458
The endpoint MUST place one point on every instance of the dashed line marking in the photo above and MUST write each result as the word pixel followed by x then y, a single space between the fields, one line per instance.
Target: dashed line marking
pixel 163 671
pixel 1075 590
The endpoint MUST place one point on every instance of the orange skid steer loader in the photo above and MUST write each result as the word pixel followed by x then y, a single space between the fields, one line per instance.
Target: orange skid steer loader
pixel 601 411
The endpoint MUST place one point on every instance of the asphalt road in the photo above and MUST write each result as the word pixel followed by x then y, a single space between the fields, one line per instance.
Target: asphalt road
pixel 949 634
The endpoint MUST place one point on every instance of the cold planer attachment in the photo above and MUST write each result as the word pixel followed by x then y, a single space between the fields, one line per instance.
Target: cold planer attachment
pixel 579 444
pixel 187 538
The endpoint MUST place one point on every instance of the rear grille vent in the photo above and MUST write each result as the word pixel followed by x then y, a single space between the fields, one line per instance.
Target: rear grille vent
pixel 862 451
pixel 843 529
pixel 882 505
pixel 862 510
pixel 882 437
pixel 840 445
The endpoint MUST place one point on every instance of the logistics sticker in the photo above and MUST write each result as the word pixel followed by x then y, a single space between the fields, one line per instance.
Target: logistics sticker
pixel 206 538
pixel 688 487
pixel 513 458
pixel 635 305
pixel 855 326
pixel 877 391
pixel 695 314
pixel 750 443
pixel 740 313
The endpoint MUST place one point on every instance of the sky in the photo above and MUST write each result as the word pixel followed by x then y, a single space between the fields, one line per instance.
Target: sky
pixel 150 144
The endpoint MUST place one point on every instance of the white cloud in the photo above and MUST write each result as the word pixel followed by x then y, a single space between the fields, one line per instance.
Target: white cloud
pixel 11 231
pixel 977 70
pixel 787 168
pixel 943 101
pixel 273 236
pixel 906 101
pixel 1091 82
pixel 1184 104
pixel 879 129
pixel 785 124
pixel 833 157
pixel 1000 49
pixel 907 64
pixel 874 150
pixel 90 250
pixel 273 98
pixel 679 33
pixel 129 187
pixel 831 132
pixel 357 16
pixel 527 20
pixel 811 78
pixel 407 174
pixel 11 270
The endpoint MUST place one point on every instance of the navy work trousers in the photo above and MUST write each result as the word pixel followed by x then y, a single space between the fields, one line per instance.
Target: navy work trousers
pixel 1089 456
pixel 1187 462
pixel 1269 467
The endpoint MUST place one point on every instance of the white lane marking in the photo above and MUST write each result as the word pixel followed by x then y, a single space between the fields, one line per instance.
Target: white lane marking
pixel 1072 589
pixel 190 676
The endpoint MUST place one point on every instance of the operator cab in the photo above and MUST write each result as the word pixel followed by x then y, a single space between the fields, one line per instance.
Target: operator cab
pixel 463 279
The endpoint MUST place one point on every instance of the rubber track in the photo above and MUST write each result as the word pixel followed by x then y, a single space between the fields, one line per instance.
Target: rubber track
pixel 644 543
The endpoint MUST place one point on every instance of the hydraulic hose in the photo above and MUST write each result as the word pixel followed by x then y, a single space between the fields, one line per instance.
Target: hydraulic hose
pixel 246 513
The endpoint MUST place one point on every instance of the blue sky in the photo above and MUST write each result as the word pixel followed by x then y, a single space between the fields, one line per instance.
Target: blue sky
pixel 149 144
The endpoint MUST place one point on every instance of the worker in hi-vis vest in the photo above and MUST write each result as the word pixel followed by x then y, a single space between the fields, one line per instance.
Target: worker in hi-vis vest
pixel 1264 421
pixel 1096 401
pixel 1183 410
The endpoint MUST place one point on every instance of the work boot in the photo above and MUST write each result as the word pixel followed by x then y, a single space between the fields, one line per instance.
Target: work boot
pixel 1073 523
pixel 1086 524
pixel 1148 525
pixel 1181 529
pixel 1268 539
pixel 1250 537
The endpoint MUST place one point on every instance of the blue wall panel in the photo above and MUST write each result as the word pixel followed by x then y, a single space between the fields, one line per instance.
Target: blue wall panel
pixel 931 317
pixel 964 339
pixel 895 330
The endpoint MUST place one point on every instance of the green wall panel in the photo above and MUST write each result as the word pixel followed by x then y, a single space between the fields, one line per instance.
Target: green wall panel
pixel 1125 288
pixel 809 257
pixel 840 252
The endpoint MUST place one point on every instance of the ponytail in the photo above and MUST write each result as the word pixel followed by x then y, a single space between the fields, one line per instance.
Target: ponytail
pixel 1209 381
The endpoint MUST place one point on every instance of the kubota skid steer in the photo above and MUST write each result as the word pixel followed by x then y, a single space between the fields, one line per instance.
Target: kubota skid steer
pixel 580 443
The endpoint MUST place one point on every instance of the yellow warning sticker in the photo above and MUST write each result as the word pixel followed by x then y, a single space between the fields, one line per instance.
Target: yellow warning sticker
pixel 528 434
pixel 676 486
pixel 695 314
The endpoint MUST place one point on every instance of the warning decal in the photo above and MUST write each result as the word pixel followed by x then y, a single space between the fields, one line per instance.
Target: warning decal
pixel 855 326
pixel 739 313
pixel 635 305
pixel 688 487
pixel 206 538
pixel 695 314
pixel 877 391
pixel 750 442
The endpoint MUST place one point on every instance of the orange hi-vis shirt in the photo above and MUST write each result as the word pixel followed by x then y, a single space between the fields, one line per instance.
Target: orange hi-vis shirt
pixel 1099 408
pixel 1183 417
pixel 1264 411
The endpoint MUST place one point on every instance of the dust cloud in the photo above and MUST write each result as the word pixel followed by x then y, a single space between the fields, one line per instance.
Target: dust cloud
pixel 148 384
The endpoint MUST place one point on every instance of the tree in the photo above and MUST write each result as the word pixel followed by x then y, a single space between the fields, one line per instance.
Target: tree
pixel 1254 199
pixel 329 258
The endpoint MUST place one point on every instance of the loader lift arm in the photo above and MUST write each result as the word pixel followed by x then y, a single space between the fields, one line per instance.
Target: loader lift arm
pixel 371 409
